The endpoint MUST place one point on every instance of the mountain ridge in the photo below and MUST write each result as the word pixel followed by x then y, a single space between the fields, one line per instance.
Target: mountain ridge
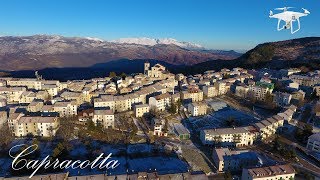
pixel 45 51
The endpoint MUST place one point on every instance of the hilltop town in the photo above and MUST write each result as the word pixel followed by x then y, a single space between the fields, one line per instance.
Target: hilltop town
pixel 229 124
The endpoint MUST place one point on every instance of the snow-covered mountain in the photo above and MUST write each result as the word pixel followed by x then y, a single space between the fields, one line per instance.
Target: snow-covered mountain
pixel 153 42
pixel 44 51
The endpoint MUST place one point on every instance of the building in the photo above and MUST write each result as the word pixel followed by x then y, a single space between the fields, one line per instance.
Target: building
pixel 36 126
pixel 103 117
pixel 12 94
pixel 239 136
pixel 314 143
pixel 241 91
pixel 298 97
pixel 3 118
pixel 277 172
pixel 197 108
pixel 73 96
pixel 35 106
pixel 157 71
pixel 105 101
pixel 220 87
pixel 182 132
pixel 260 90
pixel 210 91
pixel 160 102
pixel 268 127
pixel 29 83
pixel 282 99
pixel 232 160
pixel 159 128
pixel 141 109
pixel 192 95
pixel 304 80
pixel 65 108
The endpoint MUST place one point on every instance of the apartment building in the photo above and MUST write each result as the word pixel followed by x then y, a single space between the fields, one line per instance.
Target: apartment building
pixel 192 95
pixel 65 108
pixel 76 96
pixel 36 126
pixel 141 109
pixel 210 91
pixel 277 172
pixel 305 80
pixel 314 143
pixel 12 94
pixel 35 106
pixel 160 102
pixel 260 90
pixel 197 108
pixel 51 89
pixel 29 83
pixel 242 90
pixel 282 99
pixel 239 136
pixel 267 128
pixel 104 117
pixel 221 87
pixel 105 101
pixel 233 160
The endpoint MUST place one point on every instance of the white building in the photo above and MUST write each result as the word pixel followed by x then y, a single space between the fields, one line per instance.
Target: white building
pixel 314 142
pixel 197 108
pixel 141 109
pixel 239 136
pixel 210 91
pixel 277 172
pixel 104 118
pixel 65 108
pixel 37 126
pixel 160 102
pixel 232 160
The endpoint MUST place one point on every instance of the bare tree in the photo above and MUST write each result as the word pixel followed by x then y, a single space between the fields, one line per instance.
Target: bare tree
pixel 6 135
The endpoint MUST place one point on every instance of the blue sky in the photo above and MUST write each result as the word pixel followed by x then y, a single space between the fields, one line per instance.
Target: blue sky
pixel 217 24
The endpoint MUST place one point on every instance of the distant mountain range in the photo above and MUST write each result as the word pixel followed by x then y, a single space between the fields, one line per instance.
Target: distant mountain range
pixel 44 51
pixel 276 55
pixel 81 58
pixel 153 42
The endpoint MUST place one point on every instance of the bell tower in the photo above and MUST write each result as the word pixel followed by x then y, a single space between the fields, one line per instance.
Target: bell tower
pixel 146 68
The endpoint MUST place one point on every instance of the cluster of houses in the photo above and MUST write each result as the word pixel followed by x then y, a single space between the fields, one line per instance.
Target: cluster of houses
pixel 156 88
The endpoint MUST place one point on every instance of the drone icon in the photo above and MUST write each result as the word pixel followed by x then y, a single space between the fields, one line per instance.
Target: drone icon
pixel 288 17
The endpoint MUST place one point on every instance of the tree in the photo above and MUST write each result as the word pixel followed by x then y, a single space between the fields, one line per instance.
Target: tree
pixel 90 125
pixel 165 126
pixel 173 108
pixel 228 175
pixel 307 130
pixel 123 75
pixel 313 95
pixel 112 74
pixel 66 128
pixel 226 76
pixel 6 135
pixel 179 104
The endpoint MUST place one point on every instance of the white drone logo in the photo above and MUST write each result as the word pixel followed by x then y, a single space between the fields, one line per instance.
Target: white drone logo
pixel 288 17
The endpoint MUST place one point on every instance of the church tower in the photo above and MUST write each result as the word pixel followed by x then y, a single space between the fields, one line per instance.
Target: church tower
pixel 146 68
